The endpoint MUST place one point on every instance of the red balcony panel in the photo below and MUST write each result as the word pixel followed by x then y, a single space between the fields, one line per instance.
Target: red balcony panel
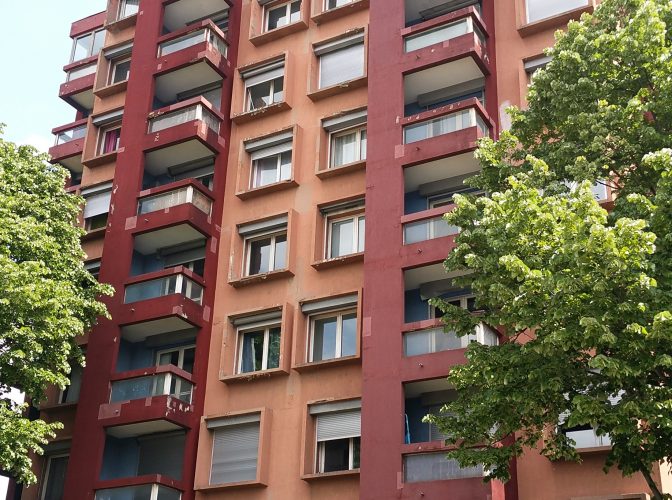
pixel 139 481
pixel 455 489
pixel 87 24
pixel 76 86
pixel 164 412
pixel 445 19
pixel 430 366
pixel 67 149
pixel 186 213
pixel 159 315
pixel 201 52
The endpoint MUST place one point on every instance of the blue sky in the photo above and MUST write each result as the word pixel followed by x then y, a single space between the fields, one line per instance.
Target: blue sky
pixel 34 47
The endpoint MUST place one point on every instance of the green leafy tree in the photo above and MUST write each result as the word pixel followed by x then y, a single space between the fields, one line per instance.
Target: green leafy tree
pixel 47 298
pixel 582 297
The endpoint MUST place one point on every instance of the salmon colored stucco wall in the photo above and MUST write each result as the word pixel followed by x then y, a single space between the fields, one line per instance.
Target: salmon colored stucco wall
pixel 288 446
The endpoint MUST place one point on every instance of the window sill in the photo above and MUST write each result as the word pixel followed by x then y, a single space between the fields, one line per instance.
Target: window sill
pixel 260 278
pixel 318 365
pixel 594 449
pixel 227 486
pixel 253 376
pixel 338 88
pixel 330 475
pixel 558 21
pixel 248 116
pixel 96 161
pixel 278 33
pixel 337 261
pixel 94 234
pixel 122 24
pixel 57 407
pixel 270 188
pixel 112 89
pixel 341 11
pixel 343 169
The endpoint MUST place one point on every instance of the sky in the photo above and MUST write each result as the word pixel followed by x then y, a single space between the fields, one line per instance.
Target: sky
pixel 34 47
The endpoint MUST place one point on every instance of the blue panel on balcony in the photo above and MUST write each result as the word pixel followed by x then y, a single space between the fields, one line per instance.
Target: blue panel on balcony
pixel 414 202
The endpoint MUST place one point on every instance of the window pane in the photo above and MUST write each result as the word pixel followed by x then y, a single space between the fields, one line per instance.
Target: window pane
pixel 324 339
pixel 341 65
pixel 121 70
pixel 362 146
pixel 274 348
pixel 266 171
pixel 260 254
pixel 541 9
pixel 356 442
pixel 129 7
pixel 277 17
pixel 280 261
pixel 98 42
pixel 53 489
pixel 278 86
pixel 349 335
pixel 169 358
pixel 258 96
pixel 82 46
pixel 344 149
pixel 295 11
pixel 360 235
pixel 188 359
pixel 252 351
pixel 332 4
pixel 341 238
pixel 285 165
pixel 336 455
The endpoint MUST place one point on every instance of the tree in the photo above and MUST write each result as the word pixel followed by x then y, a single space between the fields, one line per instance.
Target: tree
pixel 47 298
pixel 583 297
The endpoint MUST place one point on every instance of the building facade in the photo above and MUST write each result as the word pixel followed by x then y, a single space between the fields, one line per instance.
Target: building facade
pixel 264 185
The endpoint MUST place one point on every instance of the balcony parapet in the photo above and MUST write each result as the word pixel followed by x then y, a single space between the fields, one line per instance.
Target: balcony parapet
pixel 447 19
pixel 69 140
pixel 164 380
pixel 150 487
pixel 175 280
pixel 191 110
pixel 201 32
pixel 186 191
pixel 427 225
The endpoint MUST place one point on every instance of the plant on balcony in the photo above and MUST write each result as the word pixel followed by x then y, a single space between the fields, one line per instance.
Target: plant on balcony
pixel 47 298
pixel 583 295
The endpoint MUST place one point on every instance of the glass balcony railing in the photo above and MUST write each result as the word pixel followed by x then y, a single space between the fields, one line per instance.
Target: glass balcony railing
pixel 428 229
pixel 195 37
pixel 435 467
pixel 70 134
pixel 166 285
pixel 82 71
pixel 184 115
pixel 587 438
pixel 453 122
pixel 158 384
pixel 435 339
pixel 442 33
pixel 179 196
pixel 139 492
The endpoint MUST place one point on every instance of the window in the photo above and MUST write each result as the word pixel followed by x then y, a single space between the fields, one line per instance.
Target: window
pixel 466 301
pixel 235 448
pixel 264 86
pixel 271 159
pixel 348 146
pixel 258 348
pixel 333 335
pixel 282 15
pixel 71 393
pixel 108 138
pixel 54 476
pixel 341 60
pixel 190 255
pixel 337 436
pixel 183 358
pixel 97 206
pixel 93 266
pixel 120 70
pixel 542 9
pixel 128 8
pixel 265 253
pixel 87 45
pixel 332 4
pixel 345 235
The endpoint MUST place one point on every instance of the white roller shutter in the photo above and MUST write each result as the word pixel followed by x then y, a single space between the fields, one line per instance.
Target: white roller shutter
pixel 234 453
pixel 341 425
pixel 97 204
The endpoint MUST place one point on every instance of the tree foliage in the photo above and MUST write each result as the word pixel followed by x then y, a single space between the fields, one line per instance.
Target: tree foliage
pixel 47 298
pixel 583 297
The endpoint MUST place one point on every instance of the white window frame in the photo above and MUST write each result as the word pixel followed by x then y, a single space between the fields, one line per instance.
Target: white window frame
pixel 278 169
pixel 180 350
pixel 288 13
pixel 102 132
pixel 586 3
pixel 464 303
pixel 321 455
pixel 334 47
pixel 247 243
pixel 267 73
pixel 332 409
pixel 89 51
pixel 47 469
pixel 331 219
pixel 114 64
pixel 339 3
pixel 122 7
pixel 358 130
pixel 266 326
pixel 167 380
pixel 339 332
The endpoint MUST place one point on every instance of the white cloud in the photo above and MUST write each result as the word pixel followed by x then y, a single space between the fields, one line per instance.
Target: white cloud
pixel 40 142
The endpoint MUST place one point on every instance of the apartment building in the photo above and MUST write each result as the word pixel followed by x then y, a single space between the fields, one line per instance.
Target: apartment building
pixel 264 185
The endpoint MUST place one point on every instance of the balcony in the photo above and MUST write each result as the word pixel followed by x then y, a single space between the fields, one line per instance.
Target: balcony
pixel 176 281
pixel 148 491
pixel 420 340
pixel 165 380
pixel 69 141
pixel 78 89
pixel 426 467
pixel 172 195
pixel 193 110
pixel 180 13
pixel 427 225
pixel 204 33
pixel 190 159
pixel 421 11
pixel 443 29
pixel 446 124
pixel 81 71
pixel 421 399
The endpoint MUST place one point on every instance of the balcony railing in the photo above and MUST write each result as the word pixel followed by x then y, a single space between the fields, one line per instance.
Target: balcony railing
pixel 70 134
pixel 139 492
pixel 442 33
pixel 165 285
pixel 82 71
pixel 423 467
pixel 587 438
pixel 178 196
pixel 427 225
pixel 435 339
pixel 460 120
pixel 163 383
pixel 185 114
pixel 208 35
